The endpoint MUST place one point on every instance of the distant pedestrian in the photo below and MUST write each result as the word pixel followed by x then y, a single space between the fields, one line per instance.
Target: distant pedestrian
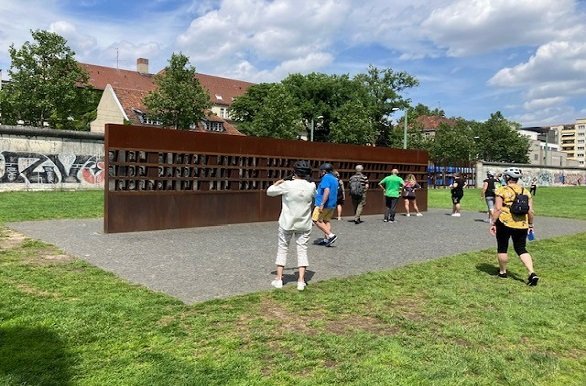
pixel 325 204
pixel 533 187
pixel 457 191
pixel 341 195
pixel 358 186
pixel 409 196
pixel 391 186
pixel 295 219
pixel 513 219
pixel 489 186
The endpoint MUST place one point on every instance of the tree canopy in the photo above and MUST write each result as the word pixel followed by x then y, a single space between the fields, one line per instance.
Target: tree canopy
pixel 47 86
pixel 179 101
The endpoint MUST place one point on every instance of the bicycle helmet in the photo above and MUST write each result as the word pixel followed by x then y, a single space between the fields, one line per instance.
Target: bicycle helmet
pixel 514 173
pixel 490 173
pixel 327 167
pixel 302 168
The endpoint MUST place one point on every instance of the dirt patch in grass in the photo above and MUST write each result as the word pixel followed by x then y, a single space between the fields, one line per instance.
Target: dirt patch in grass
pixel 10 239
pixel 32 291
pixel 334 324
pixel 47 256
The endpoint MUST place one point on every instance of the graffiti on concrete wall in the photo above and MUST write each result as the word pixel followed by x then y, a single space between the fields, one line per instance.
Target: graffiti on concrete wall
pixel 36 168
pixel 543 176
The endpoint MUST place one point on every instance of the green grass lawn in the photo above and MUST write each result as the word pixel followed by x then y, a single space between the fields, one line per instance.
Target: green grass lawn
pixel 445 322
pixel 567 202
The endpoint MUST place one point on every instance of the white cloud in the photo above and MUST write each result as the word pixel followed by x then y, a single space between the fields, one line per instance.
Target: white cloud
pixel 467 27
pixel 284 34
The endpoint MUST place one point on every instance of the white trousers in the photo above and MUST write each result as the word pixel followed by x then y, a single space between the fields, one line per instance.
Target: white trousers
pixel 301 239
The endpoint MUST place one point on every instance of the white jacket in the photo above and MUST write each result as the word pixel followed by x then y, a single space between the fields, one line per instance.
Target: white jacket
pixel 297 196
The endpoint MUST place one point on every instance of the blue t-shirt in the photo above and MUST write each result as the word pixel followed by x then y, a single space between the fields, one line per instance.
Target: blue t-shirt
pixel 327 181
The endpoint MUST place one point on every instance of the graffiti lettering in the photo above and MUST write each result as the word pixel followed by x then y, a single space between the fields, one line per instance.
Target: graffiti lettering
pixel 36 168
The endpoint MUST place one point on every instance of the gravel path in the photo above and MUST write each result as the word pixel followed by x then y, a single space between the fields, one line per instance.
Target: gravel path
pixel 199 264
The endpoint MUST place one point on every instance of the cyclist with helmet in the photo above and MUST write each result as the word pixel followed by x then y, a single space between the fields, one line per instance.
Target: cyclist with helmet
pixel 505 224
pixel 295 220
pixel 488 192
pixel 325 204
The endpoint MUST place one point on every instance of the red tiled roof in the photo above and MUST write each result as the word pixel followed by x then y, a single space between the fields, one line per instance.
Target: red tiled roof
pixel 432 122
pixel 100 76
pixel 217 87
pixel 227 89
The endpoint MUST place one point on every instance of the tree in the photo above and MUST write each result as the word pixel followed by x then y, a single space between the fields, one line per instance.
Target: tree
pixel 453 145
pixel 245 107
pixel 383 88
pixel 498 140
pixel 277 117
pixel 47 86
pixel 179 101
pixel 353 124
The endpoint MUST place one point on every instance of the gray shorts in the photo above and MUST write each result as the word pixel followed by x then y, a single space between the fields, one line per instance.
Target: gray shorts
pixel 489 203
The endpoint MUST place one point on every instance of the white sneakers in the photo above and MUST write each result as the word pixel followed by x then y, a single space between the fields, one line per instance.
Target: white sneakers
pixel 279 284
pixel 455 214
pixel 419 215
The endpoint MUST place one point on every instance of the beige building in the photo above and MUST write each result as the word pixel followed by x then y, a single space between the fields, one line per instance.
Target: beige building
pixel 572 141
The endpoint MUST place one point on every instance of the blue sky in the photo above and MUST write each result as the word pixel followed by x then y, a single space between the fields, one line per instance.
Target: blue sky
pixel 525 58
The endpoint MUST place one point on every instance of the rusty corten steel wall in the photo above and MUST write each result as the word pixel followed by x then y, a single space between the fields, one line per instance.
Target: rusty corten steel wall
pixel 164 179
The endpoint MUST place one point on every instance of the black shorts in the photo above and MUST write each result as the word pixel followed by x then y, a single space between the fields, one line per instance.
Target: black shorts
pixel 504 233
pixel 456 198
pixel 340 201
pixel 409 198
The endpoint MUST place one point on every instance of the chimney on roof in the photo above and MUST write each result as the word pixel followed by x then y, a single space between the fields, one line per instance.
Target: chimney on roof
pixel 142 65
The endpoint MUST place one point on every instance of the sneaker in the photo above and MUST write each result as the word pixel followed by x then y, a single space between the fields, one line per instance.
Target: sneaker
pixel 277 283
pixel 532 280
pixel 408 215
pixel 455 214
pixel 504 275
pixel 385 220
pixel 339 218
pixel 320 242
pixel 331 240
pixel 357 222
pixel 419 215
pixel 301 285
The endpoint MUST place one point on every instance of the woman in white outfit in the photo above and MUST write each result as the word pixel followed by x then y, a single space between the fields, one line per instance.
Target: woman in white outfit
pixel 295 219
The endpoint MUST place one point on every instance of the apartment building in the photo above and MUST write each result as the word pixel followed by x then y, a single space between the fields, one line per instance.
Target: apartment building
pixel 572 140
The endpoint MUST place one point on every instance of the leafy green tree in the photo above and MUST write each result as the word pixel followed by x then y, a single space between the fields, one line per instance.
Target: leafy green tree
pixel 453 145
pixel 245 107
pixel 320 95
pixel 277 117
pixel 179 100
pixel 498 140
pixel 383 88
pixel 47 86
pixel 353 125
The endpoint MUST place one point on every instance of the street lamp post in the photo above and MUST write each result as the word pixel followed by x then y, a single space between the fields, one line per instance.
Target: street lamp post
pixel 313 127
pixel 405 130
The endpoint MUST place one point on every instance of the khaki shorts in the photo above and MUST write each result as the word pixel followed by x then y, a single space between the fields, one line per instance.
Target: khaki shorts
pixel 325 215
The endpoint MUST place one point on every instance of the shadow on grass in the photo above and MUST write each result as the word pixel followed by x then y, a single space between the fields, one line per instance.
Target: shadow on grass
pixel 492 270
pixel 33 356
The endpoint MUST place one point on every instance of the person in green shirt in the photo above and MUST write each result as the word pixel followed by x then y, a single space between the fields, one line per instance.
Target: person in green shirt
pixel 391 185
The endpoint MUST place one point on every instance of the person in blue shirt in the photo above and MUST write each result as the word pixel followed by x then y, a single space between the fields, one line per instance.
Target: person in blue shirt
pixel 325 203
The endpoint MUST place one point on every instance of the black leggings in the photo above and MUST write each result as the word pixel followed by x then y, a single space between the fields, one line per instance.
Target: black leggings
pixel 503 233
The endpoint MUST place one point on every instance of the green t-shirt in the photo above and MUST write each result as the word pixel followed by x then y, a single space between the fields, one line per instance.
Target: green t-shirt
pixel 392 185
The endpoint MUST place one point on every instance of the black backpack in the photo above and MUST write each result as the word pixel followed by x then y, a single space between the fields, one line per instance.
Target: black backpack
pixel 520 204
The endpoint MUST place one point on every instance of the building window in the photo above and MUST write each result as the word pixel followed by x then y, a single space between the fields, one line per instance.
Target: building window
pixel 214 126
pixel 219 97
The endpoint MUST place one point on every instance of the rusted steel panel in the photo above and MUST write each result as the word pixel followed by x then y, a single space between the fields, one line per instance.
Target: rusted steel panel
pixel 161 178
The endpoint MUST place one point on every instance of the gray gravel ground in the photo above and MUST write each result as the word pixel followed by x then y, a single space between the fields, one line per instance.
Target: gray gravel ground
pixel 199 264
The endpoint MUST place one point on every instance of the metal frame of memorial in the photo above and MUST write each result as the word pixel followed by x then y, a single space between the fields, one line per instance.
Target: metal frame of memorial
pixel 165 179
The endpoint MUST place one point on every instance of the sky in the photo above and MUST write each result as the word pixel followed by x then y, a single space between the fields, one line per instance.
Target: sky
pixel 524 58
